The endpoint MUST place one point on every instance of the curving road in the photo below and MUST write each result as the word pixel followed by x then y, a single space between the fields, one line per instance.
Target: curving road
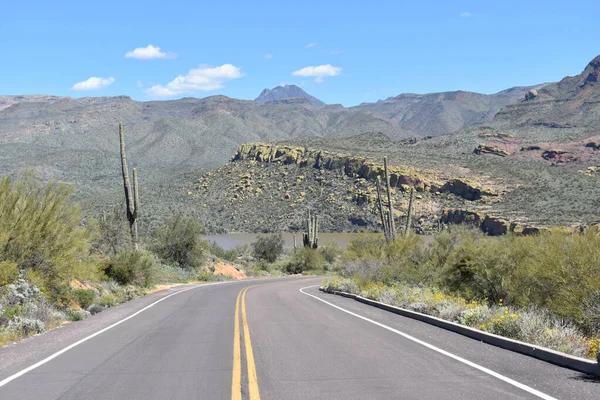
pixel 269 339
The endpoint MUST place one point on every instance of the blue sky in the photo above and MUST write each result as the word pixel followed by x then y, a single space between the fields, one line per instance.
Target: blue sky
pixel 344 52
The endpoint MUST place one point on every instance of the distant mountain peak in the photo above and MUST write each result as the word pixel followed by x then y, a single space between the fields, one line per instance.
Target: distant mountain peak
pixel 286 92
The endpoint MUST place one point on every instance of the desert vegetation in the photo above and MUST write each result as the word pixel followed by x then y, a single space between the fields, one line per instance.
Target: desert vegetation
pixel 543 289
pixel 57 266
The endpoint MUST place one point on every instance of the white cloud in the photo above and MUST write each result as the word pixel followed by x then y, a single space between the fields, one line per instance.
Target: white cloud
pixel 268 56
pixel 312 44
pixel 465 14
pixel 202 79
pixel 94 83
pixel 148 53
pixel 335 52
pixel 318 72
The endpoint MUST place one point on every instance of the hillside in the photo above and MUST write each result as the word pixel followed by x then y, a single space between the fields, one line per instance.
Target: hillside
pixel 287 92
pixel 268 187
pixel 436 114
pixel 75 140
pixel 564 111
pixel 539 155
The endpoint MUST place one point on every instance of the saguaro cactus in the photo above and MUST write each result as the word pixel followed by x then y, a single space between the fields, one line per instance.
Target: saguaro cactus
pixel 386 213
pixel 132 200
pixel 385 221
pixel 410 212
pixel 390 204
pixel 311 237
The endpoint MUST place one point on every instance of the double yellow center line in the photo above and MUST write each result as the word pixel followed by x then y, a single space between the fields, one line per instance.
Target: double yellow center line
pixel 236 381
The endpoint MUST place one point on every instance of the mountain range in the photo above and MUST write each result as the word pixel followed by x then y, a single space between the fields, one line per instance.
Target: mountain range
pixel 287 92
pixel 75 140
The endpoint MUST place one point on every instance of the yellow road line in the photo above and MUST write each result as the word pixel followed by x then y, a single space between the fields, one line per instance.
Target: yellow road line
pixel 236 384
pixel 252 380
pixel 236 380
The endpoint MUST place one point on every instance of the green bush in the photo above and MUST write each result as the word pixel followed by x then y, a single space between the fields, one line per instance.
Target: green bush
pixel 305 259
pixel 74 316
pixel 108 300
pixel 366 246
pixel 131 267
pixel 229 255
pixel 111 233
pixel 331 252
pixel 178 241
pixel 555 271
pixel 84 297
pixel 9 271
pixel 268 248
pixel 40 232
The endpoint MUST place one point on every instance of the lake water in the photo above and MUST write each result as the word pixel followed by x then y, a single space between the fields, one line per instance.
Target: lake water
pixel 231 240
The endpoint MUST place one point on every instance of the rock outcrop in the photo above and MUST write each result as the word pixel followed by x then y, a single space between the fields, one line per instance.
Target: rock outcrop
pixel 496 226
pixel 490 149
pixel 361 167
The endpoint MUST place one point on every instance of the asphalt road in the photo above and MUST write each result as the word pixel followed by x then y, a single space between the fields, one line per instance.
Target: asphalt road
pixel 270 341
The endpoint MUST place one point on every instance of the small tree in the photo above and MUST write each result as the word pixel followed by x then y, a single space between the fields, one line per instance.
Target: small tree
pixel 111 233
pixel 178 241
pixel 268 248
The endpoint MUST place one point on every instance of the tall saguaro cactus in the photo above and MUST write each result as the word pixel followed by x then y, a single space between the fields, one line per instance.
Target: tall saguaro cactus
pixel 386 213
pixel 390 204
pixel 385 221
pixel 132 200
pixel 311 237
pixel 410 212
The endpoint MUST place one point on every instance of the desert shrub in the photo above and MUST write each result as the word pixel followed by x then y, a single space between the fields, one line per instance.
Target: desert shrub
pixel 505 324
pixel 591 314
pixel 8 272
pixel 177 240
pixel 229 255
pixel 84 297
pixel 95 309
pixel 331 252
pixel 305 259
pixel 171 273
pixel 24 326
pixel 366 246
pixel 360 267
pixel 40 231
pixel 77 315
pixel 111 232
pixel 268 248
pixel 481 268
pixel 131 267
pixel 561 273
pixel 340 284
pixel 108 300
pixel 204 277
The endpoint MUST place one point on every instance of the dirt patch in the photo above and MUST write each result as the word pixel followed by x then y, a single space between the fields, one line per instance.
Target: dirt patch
pixel 222 268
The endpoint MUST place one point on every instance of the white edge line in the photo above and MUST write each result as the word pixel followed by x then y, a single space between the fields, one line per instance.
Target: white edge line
pixel 434 348
pixel 58 353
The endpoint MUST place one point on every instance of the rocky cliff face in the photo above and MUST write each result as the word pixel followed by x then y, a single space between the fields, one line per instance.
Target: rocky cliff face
pixel 402 178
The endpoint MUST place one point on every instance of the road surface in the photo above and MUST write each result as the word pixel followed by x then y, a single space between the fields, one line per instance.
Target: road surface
pixel 269 339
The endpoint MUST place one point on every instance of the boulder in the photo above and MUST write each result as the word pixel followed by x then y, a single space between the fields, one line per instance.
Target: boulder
pixel 490 149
